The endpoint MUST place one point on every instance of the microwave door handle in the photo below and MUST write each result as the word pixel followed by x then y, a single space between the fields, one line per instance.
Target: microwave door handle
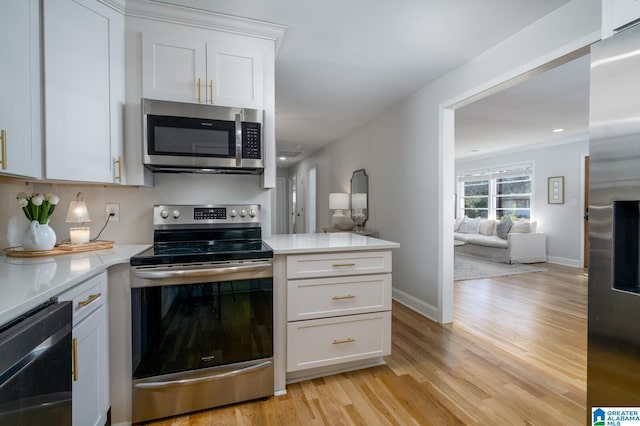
pixel 238 140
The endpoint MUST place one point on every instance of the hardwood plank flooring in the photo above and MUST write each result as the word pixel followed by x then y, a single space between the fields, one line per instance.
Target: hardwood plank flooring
pixel 515 355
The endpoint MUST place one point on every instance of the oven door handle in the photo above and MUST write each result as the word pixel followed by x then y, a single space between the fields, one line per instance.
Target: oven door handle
pixel 206 272
pixel 228 374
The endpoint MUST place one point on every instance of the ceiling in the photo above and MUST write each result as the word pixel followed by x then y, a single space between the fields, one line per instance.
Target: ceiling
pixel 342 62
pixel 527 114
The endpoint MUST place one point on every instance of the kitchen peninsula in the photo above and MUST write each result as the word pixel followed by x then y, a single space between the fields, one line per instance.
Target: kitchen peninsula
pixel 332 307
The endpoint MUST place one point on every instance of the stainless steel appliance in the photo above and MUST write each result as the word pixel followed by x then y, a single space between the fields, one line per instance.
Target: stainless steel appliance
pixel 613 364
pixel 202 311
pixel 35 367
pixel 184 137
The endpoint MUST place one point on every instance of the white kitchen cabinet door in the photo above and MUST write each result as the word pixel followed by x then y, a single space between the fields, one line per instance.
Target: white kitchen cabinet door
pixel 235 71
pixel 90 335
pixel 221 69
pixel 20 152
pixel 83 81
pixel 91 385
pixel 173 68
pixel 624 12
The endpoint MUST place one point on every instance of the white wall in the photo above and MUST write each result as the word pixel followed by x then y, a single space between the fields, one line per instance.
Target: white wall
pixel 136 204
pixel 408 154
pixel 561 222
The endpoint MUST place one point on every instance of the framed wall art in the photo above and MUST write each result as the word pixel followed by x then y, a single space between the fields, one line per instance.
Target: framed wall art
pixel 555 190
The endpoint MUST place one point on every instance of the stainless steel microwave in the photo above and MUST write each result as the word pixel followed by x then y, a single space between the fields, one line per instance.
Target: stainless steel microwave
pixel 184 137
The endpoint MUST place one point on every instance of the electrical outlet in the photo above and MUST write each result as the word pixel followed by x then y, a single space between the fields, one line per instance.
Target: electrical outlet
pixel 113 208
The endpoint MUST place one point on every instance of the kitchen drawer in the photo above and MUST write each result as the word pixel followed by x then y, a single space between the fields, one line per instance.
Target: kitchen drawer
pixel 329 341
pixel 87 296
pixel 337 264
pixel 329 297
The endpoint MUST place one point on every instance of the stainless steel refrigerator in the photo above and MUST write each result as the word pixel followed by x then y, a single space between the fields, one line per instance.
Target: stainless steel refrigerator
pixel 613 364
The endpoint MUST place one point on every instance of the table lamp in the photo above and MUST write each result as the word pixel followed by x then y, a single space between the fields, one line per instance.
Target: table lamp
pixel 338 201
pixel 78 213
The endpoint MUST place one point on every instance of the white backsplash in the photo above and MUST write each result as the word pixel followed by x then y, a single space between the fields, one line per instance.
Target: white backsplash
pixel 136 204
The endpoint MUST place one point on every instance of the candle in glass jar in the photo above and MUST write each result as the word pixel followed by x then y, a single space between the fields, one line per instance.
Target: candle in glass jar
pixel 79 235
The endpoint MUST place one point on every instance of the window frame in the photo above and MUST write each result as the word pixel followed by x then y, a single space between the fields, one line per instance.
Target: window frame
pixel 492 175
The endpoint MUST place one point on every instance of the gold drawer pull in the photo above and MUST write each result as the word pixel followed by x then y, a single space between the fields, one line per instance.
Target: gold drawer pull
pixel 348 340
pixel 342 265
pixel 348 296
pixel 74 350
pixel 3 141
pixel 90 299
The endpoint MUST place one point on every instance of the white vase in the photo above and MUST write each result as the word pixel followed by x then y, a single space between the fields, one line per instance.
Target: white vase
pixel 38 237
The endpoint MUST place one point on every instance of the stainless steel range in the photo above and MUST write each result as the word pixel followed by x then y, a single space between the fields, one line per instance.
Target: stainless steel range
pixel 202 311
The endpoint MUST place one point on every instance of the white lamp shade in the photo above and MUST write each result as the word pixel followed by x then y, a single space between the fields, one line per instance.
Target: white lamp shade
pixel 338 201
pixel 78 212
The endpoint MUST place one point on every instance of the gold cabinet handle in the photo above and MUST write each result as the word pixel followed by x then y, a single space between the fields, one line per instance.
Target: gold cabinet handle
pixel 348 296
pixel 211 91
pixel 90 299
pixel 199 92
pixel 3 140
pixel 348 340
pixel 74 349
pixel 119 163
pixel 342 265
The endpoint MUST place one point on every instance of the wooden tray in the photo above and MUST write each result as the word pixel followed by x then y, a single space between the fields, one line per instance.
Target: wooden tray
pixel 62 248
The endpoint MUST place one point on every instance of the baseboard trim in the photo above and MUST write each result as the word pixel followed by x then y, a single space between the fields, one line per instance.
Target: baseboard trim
pixel 420 306
pixel 564 261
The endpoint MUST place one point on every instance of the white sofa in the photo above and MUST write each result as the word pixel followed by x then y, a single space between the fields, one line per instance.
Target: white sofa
pixel 522 245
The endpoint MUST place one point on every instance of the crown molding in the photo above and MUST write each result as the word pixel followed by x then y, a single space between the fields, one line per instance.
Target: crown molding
pixel 118 5
pixel 165 12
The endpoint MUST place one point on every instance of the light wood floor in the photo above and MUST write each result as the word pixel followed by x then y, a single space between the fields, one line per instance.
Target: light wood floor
pixel 515 355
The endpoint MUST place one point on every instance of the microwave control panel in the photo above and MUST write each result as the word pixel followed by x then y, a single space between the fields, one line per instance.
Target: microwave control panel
pixel 251 141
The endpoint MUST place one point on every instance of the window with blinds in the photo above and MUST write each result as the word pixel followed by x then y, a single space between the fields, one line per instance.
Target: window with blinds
pixel 497 192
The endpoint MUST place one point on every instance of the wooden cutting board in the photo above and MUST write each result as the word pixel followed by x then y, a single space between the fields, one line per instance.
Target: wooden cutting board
pixel 62 248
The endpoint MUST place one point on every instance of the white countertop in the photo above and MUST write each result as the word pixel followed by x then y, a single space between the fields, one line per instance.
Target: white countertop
pixel 323 243
pixel 27 282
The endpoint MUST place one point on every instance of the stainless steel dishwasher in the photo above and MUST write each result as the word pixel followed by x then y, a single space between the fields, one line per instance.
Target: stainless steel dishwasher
pixel 35 367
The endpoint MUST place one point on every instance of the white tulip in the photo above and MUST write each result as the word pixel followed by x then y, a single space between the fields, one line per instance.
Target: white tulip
pixel 37 200
pixel 22 195
pixel 53 200
pixel 22 202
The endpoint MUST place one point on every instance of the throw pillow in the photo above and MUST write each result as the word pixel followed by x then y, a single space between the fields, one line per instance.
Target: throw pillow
pixel 503 227
pixel 486 226
pixel 456 225
pixel 469 226
pixel 520 227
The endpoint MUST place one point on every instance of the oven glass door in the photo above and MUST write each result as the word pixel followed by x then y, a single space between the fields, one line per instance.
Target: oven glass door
pixel 190 137
pixel 178 328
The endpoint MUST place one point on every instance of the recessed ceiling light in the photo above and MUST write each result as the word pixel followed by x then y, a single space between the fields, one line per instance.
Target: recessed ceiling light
pixel 282 158
pixel 557 130
pixel 475 150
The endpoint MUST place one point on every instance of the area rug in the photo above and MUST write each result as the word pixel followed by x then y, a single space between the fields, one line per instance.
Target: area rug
pixel 473 268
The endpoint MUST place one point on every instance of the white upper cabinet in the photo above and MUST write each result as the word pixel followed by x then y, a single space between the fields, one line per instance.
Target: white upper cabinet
pixel 84 91
pixel 214 68
pixel 619 14
pixel 21 145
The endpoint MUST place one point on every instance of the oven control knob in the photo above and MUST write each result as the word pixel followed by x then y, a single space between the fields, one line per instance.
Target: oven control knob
pixel 233 213
pixel 176 214
pixel 253 212
pixel 243 213
pixel 164 214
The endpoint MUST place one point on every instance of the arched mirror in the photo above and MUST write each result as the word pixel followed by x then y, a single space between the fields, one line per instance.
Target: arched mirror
pixel 360 197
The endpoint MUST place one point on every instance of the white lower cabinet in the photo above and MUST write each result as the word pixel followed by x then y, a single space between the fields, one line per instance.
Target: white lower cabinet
pixel 342 314
pixel 90 351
